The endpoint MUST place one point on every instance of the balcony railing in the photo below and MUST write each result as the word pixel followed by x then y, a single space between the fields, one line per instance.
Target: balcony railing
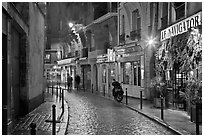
pixel 135 34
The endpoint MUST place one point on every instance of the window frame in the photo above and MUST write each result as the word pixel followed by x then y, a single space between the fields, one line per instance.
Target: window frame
pixel 134 73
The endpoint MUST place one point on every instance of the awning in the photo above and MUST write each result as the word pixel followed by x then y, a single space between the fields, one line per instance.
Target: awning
pixel 68 61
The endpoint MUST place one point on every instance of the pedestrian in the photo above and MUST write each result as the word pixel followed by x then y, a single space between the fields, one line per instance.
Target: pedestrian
pixel 69 82
pixel 77 80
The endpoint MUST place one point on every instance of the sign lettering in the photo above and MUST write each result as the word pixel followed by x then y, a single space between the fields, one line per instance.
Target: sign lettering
pixel 181 26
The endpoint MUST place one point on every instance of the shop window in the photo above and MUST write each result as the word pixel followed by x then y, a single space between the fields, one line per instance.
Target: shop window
pixel 112 71
pixel 104 74
pixel 137 73
pixel 127 73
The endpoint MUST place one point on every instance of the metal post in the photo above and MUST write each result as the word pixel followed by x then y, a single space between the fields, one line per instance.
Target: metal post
pixel 62 100
pixel 126 96
pixel 52 87
pixel 57 85
pixel 60 92
pixel 33 129
pixel 191 114
pixel 92 88
pixel 197 119
pixel 48 87
pixel 57 90
pixel 162 108
pixel 104 91
pixel 54 120
pixel 140 99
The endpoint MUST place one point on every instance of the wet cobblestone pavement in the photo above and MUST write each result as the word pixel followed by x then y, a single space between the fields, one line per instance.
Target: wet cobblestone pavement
pixel 92 114
pixel 39 116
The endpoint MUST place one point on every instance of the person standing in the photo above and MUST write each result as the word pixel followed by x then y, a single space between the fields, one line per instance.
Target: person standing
pixel 77 80
pixel 69 82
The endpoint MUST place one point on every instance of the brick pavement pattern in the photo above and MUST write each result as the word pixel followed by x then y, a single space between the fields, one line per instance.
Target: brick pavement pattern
pixel 41 114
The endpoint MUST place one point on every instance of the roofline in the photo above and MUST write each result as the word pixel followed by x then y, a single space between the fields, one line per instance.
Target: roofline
pixel 101 19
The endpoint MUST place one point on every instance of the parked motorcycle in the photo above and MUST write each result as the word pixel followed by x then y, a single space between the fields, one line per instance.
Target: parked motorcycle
pixel 118 94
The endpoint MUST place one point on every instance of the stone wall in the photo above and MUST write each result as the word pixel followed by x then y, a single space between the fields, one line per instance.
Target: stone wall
pixel 36 56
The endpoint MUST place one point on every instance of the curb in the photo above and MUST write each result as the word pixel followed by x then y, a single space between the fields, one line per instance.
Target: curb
pixel 166 125
pixel 156 120
pixel 63 130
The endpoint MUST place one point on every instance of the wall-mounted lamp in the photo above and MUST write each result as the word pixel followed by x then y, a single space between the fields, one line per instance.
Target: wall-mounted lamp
pixel 71 24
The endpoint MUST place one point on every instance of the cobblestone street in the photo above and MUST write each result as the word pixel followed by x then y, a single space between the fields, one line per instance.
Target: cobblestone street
pixel 92 114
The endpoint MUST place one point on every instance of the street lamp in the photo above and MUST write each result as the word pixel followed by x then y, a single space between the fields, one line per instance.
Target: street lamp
pixel 71 24
pixel 150 42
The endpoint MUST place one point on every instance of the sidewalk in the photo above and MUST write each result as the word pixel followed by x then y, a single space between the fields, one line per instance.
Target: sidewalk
pixel 42 113
pixel 176 120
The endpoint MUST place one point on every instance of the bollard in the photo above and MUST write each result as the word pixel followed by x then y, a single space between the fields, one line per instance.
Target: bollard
pixel 92 88
pixel 191 114
pixel 33 129
pixel 140 99
pixel 104 92
pixel 162 108
pixel 126 96
pixel 57 85
pixel 60 92
pixel 53 120
pixel 49 88
pixel 197 119
pixel 60 87
pixel 52 88
pixel 62 100
pixel 57 92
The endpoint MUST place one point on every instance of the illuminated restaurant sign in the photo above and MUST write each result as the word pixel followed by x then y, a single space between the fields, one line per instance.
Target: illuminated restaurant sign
pixel 102 58
pixel 181 26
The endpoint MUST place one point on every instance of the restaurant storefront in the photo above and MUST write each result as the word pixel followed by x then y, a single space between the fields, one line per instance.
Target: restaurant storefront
pixel 85 73
pixel 67 67
pixel 107 72
pixel 130 70
pixel 178 42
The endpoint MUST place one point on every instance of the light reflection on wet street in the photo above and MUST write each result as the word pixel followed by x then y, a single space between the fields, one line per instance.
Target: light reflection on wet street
pixel 92 114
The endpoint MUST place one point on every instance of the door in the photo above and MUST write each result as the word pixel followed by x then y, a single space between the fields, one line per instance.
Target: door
pixel 15 72
pixel 111 76
pixel 4 84
pixel 96 77
pixel 104 79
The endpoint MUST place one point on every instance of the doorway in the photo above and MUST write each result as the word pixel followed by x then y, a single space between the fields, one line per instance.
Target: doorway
pixel 111 76
pixel 4 84
pixel 15 89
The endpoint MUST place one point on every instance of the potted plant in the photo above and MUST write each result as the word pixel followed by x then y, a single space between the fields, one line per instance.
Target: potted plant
pixel 158 87
pixel 193 95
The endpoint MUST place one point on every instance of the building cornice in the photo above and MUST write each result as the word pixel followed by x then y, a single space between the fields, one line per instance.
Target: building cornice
pixel 105 17
pixel 102 19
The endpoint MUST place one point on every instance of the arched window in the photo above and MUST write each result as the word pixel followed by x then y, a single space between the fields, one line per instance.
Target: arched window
pixel 136 21
pixel 123 24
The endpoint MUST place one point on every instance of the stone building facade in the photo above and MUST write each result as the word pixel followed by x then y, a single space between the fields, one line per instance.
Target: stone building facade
pixel 23 61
